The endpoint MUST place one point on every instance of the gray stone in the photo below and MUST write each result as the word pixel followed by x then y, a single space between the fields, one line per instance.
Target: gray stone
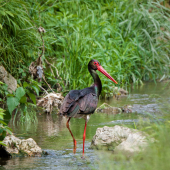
pixel 15 145
pixel 124 139
pixel 120 91
pixel 106 108
pixel 7 78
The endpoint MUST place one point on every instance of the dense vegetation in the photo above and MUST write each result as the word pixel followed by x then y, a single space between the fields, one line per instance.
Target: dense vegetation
pixel 129 37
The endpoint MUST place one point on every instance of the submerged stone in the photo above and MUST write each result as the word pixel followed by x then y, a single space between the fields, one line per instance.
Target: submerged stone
pixel 105 108
pixel 15 146
pixel 119 92
pixel 120 139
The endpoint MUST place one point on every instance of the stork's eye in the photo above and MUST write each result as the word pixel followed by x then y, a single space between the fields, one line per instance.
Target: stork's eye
pixel 95 63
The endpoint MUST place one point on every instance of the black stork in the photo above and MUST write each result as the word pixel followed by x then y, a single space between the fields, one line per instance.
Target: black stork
pixel 83 103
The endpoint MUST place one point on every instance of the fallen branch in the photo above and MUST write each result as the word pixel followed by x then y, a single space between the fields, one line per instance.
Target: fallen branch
pixel 43 89
pixel 48 84
pixel 52 70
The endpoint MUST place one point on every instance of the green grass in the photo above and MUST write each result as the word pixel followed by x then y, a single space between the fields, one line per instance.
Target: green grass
pixel 123 35
pixel 16 39
pixel 129 37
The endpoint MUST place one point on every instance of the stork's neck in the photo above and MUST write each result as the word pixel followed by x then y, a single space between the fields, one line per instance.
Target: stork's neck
pixel 97 82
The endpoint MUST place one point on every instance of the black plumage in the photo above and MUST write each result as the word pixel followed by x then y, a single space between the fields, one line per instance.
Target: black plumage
pixel 79 102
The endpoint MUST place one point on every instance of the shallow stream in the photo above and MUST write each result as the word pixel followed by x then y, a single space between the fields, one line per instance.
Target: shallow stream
pixel 51 134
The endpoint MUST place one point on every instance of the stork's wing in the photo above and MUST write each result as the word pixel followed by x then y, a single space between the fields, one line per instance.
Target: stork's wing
pixel 88 103
pixel 77 102
pixel 69 101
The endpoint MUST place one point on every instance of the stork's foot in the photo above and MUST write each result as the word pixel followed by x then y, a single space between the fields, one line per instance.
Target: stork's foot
pixel 83 157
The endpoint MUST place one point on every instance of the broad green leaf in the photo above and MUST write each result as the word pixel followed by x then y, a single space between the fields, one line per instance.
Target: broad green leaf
pixel 10 95
pixel 23 107
pixel 1 130
pixel 12 103
pixel 23 99
pixel 36 89
pixel 33 98
pixel 25 84
pixel 3 134
pixel 1 28
pixel 20 92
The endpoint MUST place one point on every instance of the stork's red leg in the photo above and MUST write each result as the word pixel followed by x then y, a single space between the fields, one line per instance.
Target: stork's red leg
pixel 84 136
pixel 74 141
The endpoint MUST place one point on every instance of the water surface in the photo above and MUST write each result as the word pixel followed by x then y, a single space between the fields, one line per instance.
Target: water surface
pixel 51 134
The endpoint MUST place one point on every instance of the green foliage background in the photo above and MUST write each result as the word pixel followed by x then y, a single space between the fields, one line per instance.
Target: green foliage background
pixel 130 38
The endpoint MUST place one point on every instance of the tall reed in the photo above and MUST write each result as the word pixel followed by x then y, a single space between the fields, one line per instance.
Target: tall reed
pixel 129 38
pixel 17 36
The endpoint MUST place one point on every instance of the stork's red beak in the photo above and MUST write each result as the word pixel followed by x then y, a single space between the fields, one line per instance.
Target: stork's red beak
pixel 103 71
